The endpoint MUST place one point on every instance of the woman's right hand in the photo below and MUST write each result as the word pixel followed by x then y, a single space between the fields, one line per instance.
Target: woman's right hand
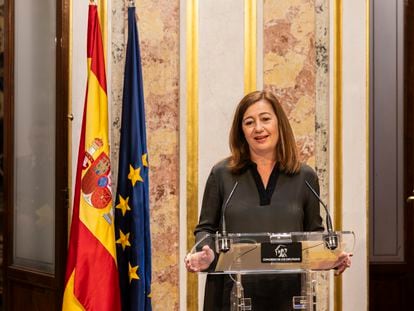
pixel 199 261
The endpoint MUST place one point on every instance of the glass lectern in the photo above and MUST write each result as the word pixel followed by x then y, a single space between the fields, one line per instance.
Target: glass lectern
pixel 309 254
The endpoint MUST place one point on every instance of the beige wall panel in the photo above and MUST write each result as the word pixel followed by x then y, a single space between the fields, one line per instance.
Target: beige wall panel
pixel 355 142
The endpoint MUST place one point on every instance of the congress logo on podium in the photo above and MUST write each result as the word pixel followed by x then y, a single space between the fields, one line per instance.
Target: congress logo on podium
pixel 281 252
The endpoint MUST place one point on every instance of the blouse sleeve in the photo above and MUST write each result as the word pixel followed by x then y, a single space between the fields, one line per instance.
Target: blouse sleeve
pixel 313 219
pixel 209 221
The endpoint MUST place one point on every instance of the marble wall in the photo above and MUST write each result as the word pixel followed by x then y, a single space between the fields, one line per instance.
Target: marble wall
pixel 158 23
pixel 289 66
pixel 295 68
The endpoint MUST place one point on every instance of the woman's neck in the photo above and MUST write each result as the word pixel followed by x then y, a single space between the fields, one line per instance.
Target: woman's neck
pixel 264 165
pixel 263 161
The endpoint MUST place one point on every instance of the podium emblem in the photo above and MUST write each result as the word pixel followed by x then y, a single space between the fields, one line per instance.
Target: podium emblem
pixel 281 252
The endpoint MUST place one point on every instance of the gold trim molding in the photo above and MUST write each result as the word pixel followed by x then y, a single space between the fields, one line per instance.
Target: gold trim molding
pixel 337 136
pixel 250 40
pixel 192 140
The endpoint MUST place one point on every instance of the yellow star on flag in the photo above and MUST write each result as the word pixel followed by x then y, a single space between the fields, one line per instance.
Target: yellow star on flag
pixel 134 175
pixel 123 240
pixel 132 272
pixel 123 205
pixel 145 159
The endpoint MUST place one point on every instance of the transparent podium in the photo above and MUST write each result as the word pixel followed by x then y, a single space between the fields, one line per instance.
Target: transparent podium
pixel 309 254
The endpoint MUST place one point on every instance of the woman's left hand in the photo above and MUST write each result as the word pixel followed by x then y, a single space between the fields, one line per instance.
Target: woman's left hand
pixel 343 262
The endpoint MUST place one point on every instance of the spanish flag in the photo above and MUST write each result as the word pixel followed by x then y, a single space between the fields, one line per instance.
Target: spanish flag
pixel 91 281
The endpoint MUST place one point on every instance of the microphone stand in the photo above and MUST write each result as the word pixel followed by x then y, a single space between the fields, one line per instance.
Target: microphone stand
pixel 331 238
pixel 223 239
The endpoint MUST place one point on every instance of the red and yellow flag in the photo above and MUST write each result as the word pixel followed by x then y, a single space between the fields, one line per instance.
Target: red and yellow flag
pixel 91 272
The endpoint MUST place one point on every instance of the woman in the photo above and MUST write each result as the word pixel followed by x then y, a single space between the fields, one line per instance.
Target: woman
pixel 271 196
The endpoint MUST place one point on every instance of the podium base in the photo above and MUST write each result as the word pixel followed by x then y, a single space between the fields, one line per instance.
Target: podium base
pixel 237 300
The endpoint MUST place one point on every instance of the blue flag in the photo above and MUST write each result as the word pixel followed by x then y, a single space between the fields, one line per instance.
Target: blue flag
pixel 132 229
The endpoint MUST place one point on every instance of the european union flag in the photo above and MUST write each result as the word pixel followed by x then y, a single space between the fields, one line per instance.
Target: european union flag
pixel 132 229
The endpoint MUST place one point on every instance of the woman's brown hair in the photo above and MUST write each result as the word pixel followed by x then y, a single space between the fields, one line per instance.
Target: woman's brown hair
pixel 286 151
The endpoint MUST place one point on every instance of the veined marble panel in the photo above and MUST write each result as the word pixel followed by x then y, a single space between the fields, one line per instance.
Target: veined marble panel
pixel 290 66
pixel 295 68
pixel 322 95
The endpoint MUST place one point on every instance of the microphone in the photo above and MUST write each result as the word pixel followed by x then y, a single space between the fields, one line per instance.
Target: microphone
pixel 222 239
pixel 331 239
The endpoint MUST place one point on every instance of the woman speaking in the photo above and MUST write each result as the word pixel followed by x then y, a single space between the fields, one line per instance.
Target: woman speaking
pixel 271 196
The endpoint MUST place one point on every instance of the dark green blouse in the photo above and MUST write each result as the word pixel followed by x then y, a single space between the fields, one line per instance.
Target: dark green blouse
pixel 285 205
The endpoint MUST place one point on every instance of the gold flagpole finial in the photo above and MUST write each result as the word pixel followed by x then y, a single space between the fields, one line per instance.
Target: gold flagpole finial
pixel 92 2
pixel 131 3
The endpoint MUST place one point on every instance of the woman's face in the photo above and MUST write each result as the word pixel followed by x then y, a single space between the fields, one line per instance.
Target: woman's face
pixel 260 128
